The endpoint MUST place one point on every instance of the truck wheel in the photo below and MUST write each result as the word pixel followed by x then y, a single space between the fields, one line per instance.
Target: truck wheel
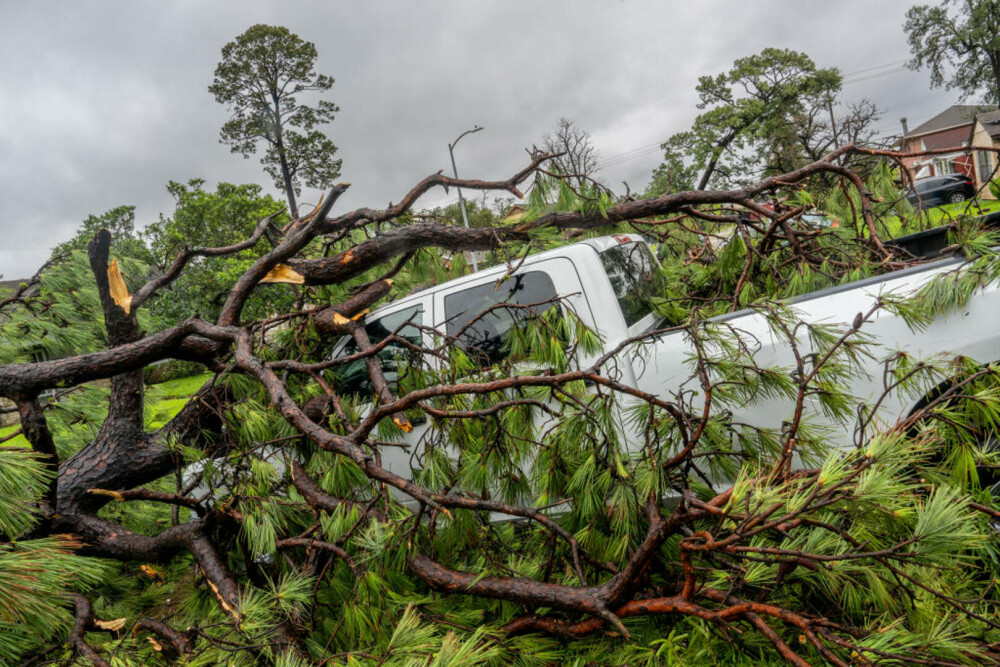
pixel 956 198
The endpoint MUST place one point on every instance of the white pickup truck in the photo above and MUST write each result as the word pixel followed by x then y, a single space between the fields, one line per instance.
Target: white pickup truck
pixel 602 281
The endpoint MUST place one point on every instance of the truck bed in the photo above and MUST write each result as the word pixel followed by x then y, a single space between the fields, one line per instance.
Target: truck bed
pixel 930 243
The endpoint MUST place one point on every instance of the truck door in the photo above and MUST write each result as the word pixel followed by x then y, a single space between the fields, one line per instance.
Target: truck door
pixel 410 320
pixel 474 314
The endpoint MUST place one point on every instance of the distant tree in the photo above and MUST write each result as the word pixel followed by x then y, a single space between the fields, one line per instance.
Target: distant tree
pixel 742 108
pixel 816 129
pixel 579 158
pixel 479 214
pixel 201 218
pixel 205 218
pixel 673 174
pixel 120 221
pixel 210 219
pixel 261 74
pixel 961 47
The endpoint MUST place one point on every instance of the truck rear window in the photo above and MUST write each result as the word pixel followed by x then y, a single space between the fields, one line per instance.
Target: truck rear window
pixel 484 336
pixel 632 272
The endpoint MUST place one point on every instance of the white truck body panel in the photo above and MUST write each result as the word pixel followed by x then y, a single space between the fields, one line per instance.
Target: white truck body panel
pixel 580 279
pixel 973 331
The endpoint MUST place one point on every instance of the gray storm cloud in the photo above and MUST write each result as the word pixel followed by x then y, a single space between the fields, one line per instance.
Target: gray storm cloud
pixel 102 104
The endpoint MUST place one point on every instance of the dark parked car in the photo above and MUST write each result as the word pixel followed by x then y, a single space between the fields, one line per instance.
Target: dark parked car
pixel 938 190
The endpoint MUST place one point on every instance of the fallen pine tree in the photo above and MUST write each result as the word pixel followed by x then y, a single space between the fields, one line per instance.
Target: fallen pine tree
pixel 258 524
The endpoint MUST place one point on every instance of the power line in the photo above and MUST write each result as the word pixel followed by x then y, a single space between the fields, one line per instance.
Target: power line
pixel 630 155
pixel 642 151
pixel 870 69
pixel 876 75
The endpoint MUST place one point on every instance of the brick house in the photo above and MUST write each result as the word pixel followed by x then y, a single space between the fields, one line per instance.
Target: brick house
pixel 961 126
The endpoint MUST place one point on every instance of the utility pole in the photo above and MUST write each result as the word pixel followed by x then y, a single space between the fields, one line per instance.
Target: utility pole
pixel 833 125
pixel 461 200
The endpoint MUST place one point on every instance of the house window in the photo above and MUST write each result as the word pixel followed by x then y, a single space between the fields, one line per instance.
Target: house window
pixel 984 166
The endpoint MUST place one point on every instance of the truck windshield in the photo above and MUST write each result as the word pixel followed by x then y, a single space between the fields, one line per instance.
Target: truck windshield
pixel 632 272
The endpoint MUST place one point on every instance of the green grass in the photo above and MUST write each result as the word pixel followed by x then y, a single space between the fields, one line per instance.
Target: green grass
pixel 158 413
pixel 166 399
pixel 937 216
pixel 179 387
pixel 19 441
pixel 163 401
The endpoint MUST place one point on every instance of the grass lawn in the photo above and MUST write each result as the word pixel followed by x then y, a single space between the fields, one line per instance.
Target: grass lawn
pixel 938 216
pixel 163 401
pixel 166 399
pixel 19 441
pixel 179 388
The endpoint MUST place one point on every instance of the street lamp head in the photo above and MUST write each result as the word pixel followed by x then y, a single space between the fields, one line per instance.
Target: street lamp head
pixel 475 128
pixel 461 200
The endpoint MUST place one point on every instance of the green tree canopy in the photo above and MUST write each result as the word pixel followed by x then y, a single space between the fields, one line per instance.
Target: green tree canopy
pixel 120 221
pixel 674 174
pixel 260 78
pixel 742 108
pixel 959 40
pixel 210 219
pixel 479 213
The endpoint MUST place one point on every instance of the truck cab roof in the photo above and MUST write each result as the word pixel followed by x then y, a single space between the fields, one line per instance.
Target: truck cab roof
pixel 585 246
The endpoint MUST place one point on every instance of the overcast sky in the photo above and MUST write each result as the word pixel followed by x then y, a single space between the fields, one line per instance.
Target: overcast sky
pixel 103 103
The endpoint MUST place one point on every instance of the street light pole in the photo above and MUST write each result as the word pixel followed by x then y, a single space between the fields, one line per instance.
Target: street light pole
pixel 461 200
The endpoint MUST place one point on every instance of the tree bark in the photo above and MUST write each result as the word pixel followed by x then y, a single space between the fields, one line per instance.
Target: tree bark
pixel 279 145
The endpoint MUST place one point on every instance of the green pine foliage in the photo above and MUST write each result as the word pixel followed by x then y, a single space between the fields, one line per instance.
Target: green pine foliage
pixel 21 482
pixel 35 576
pixel 568 451
pixel 64 317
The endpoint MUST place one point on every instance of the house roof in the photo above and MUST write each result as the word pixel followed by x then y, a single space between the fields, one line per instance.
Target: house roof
pixel 990 122
pixel 515 213
pixel 954 116
pixel 12 284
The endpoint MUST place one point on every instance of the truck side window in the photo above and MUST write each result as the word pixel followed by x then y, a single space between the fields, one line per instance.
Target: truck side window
pixel 485 339
pixel 352 378
pixel 632 273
